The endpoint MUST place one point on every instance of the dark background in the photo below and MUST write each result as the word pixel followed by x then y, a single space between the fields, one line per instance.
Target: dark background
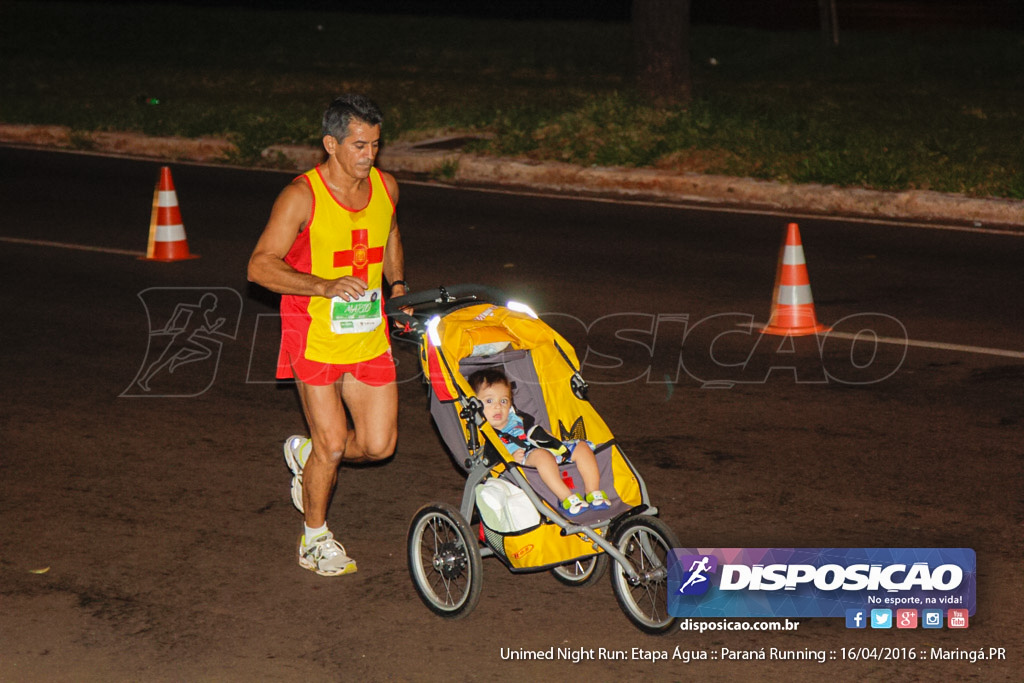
pixel 768 14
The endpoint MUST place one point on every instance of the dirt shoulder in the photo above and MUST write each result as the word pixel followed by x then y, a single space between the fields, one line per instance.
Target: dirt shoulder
pixel 448 163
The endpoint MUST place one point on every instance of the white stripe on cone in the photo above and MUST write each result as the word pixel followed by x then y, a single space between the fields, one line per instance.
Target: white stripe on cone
pixel 170 233
pixel 794 296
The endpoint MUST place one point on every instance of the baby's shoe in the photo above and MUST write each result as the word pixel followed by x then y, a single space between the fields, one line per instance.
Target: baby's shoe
pixel 574 505
pixel 598 501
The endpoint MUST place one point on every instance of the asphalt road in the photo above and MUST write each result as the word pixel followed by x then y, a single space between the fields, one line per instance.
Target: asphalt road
pixel 163 520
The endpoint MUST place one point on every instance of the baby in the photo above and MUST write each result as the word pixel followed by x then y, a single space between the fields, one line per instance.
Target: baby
pixel 495 392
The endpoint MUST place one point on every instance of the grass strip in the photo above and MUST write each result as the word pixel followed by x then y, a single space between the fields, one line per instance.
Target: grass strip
pixel 937 110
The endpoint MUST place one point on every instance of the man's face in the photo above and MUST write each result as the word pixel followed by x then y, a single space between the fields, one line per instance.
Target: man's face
pixel 497 400
pixel 359 148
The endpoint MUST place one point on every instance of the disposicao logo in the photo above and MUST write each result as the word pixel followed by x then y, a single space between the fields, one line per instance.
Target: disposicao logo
pixel 818 582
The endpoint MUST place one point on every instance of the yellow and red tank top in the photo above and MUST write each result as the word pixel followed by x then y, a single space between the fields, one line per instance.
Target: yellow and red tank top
pixel 338 241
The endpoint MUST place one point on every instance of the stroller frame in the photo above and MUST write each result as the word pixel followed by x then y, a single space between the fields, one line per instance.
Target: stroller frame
pixel 444 553
pixel 481 470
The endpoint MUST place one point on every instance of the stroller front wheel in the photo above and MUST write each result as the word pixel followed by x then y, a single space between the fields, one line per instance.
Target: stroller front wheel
pixel 646 542
pixel 444 561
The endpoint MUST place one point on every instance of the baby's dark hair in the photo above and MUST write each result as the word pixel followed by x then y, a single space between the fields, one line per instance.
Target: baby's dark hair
pixel 487 377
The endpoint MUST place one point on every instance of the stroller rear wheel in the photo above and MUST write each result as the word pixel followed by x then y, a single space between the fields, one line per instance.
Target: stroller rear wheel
pixel 646 542
pixel 444 560
pixel 581 573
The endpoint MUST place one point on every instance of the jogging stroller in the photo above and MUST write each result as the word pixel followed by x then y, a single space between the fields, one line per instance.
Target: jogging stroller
pixel 464 328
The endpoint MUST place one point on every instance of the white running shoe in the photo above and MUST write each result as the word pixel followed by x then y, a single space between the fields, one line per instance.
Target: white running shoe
pixel 296 452
pixel 325 556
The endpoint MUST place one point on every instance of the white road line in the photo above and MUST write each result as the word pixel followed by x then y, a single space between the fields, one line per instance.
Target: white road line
pixel 943 346
pixel 981 350
pixel 933 345
pixel 67 245
pixel 698 204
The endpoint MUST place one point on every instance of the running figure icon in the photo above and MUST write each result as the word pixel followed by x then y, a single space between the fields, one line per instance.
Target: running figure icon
pixel 696 570
pixel 191 329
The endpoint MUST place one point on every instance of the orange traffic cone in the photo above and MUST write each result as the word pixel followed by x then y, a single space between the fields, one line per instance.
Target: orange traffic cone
pixel 793 306
pixel 166 232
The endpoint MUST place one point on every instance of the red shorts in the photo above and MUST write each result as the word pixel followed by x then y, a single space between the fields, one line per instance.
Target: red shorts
pixel 376 372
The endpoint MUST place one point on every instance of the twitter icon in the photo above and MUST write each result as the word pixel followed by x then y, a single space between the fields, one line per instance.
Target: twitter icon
pixel 881 618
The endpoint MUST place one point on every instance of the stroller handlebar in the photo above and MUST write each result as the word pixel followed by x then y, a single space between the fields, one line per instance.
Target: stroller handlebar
pixel 440 299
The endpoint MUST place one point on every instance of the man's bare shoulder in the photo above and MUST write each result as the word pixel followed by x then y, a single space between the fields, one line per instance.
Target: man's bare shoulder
pixel 298 187
pixel 292 208
pixel 296 195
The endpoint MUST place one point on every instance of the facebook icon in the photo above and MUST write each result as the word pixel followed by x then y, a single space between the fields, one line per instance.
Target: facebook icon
pixel 856 618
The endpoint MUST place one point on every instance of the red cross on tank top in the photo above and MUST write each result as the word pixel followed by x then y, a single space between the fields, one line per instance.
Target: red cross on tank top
pixel 360 256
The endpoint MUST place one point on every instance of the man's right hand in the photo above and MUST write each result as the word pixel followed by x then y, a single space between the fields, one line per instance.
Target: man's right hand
pixel 348 288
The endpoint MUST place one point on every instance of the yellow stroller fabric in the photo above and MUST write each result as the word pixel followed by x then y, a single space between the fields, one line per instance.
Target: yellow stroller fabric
pixel 542 365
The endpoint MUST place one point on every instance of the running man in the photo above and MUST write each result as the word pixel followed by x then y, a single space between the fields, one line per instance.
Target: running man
pixel 331 239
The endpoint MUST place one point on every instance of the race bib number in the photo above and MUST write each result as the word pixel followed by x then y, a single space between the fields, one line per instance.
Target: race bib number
pixel 358 315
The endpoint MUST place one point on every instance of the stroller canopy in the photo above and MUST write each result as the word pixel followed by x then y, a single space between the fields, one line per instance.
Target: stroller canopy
pixel 533 355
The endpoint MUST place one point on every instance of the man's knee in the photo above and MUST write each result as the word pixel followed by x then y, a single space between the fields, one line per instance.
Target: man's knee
pixel 379 446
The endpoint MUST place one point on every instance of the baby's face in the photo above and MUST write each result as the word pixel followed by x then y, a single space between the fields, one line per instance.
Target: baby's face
pixel 497 400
